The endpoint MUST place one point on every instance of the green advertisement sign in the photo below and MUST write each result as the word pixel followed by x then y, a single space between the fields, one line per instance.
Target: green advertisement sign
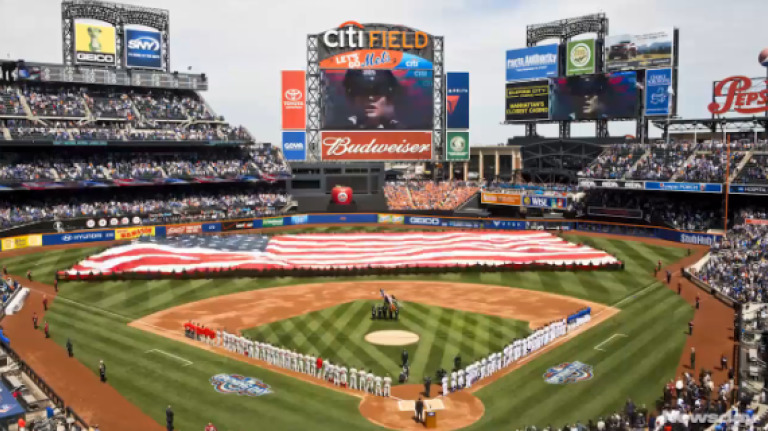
pixel 580 57
pixel 271 222
pixel 458 146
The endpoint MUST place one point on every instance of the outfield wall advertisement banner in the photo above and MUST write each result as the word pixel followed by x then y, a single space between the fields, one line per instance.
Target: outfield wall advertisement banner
pixel 347 145
pixel 457 100
pixel 95 43
pixel 580 57
pixel 749 189
pixel 509 199
pixel 73 238
pixel 134 232
pixel 527 101
pixel 545 202
pixel 684 187
pixel 23 241
pixel 295 145
pixel 658 85
pixel 293 98
pixel 143 48
pixel 536 62
pixel 639 51
pixel 457 149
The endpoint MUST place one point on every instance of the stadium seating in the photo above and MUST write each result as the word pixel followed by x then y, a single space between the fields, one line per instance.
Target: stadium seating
pixel 428 195
pixel 10 105
pixel 186 206
pixel 755 171
pixel 614 162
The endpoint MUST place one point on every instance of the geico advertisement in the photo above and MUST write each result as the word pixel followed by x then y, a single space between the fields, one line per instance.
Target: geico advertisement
pixel 95 43
pixel 134 232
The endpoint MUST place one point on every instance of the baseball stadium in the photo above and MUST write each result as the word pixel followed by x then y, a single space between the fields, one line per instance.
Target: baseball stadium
pixel 378 267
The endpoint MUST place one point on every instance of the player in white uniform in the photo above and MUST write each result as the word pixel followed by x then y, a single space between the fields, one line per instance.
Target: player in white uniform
pixel 327 370
pixel 369 382
pixel 460 380
pixel 483 368
pixel 387 386
pixel 353 378
pixel 312 366
pixel 295 361
pixel 379 392
pixel 453 381
pixel 337 375
pixel 499 361
pixel 343 376
pixel 445 385
pixel 361 375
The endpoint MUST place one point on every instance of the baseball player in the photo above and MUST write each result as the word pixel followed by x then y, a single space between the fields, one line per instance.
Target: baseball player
pixel 343 376
pixel 483 368
pixel 387 386
pixel 453 381
pixel 445 385
pixel 361 375
pixel 218 338
pixel 499 361
pixel 301 361
pixel 369 382
pixel 353 378
pixel 337 375
pixel 313 366
pixel 324 371
pixel 379 392
pixel 294 361
pixel 460 380
pixel 308 365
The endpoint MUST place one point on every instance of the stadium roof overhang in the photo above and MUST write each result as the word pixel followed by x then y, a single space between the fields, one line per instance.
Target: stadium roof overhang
pixel 734 124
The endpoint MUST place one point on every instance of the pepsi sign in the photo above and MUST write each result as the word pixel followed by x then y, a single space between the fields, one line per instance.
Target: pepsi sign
pixel 143 48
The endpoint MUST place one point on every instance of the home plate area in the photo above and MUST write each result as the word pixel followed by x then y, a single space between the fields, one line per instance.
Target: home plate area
pixel 429 405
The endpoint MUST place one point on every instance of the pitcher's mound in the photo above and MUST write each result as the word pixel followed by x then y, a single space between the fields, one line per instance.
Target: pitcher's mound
pixel 392 338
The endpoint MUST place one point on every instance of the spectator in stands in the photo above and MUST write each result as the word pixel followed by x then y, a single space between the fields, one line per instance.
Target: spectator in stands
pixel 428 195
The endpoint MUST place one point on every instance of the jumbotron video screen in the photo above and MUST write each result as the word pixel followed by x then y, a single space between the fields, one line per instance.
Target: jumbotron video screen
pixel 377 99
pixel 593 97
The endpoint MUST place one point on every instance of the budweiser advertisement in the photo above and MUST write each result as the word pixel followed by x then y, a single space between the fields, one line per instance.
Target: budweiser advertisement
pixel 293 99
pixel 376 146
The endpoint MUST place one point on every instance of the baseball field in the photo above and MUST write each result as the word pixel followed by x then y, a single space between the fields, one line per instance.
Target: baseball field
pixel 152 366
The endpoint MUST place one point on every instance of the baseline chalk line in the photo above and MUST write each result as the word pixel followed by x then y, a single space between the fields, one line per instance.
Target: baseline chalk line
pixel 609 339
pixel 163 352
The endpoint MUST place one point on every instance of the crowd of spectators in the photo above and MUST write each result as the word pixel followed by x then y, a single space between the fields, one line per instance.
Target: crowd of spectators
pixel 428 195
pixel 200 206
pixel 10 104
pixel 60 102
pixel 170 105
pixel 614 162
pixel 663 161
pixel 755 171
pixel 74 166
pixel 738 265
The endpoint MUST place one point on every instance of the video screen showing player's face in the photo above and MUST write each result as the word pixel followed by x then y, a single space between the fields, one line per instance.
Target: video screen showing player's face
pixel 593 97
pixel 377 99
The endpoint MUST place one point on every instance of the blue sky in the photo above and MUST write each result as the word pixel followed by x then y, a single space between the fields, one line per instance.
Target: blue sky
pixel 242 45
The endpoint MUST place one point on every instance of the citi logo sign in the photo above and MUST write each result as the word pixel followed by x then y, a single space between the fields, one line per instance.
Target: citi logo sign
pixel 144 43
pixel 352 34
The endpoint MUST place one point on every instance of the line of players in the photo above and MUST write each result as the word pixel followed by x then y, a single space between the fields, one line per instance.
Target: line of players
pixel 518 349
pixel 313 366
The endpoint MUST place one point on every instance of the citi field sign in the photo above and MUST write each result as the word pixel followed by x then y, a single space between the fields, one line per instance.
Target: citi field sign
pixel 353 35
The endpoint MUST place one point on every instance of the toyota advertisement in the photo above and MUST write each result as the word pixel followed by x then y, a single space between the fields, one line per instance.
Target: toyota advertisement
pixel 527 101
pixel 593 97
pixel 294 107
pixel 640 51
pixel 295 145
pixel 95 43
pixel 143 48
pixel 343 146
pixel 536 62
pixel 658 86
pixel 457 100
pixel 377 99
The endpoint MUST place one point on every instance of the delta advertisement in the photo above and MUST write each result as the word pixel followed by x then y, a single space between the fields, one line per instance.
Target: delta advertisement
pixel 342 146
pixel 458 146
pixel 639 51
pixel 457 100
pixel 295 145
pixel 658 84
pixel 527 101
pixel 536 62
pixel 580 57
pixel 95 43
pixel 293 94
pixel 143 48
pixel 375 59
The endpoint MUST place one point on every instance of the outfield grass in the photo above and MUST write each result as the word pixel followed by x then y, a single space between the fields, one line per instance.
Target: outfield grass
pixel 636 365
pixel 337 333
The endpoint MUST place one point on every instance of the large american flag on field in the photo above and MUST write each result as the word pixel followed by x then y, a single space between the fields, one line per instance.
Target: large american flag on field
pixel 436 249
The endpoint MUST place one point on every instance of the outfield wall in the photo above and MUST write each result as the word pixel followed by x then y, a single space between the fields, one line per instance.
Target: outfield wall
pixel 128 233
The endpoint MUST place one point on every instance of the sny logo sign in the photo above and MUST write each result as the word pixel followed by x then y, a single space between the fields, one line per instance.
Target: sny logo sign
pixel 568 372
pixel 240 385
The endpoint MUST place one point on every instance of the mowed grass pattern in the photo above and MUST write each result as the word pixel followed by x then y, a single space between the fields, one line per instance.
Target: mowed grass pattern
pixel 338 334
pixel 95 316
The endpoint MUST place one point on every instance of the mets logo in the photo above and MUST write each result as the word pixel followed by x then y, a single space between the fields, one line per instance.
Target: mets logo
pixel 5 408
pixel 240 385
pixel 568 372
